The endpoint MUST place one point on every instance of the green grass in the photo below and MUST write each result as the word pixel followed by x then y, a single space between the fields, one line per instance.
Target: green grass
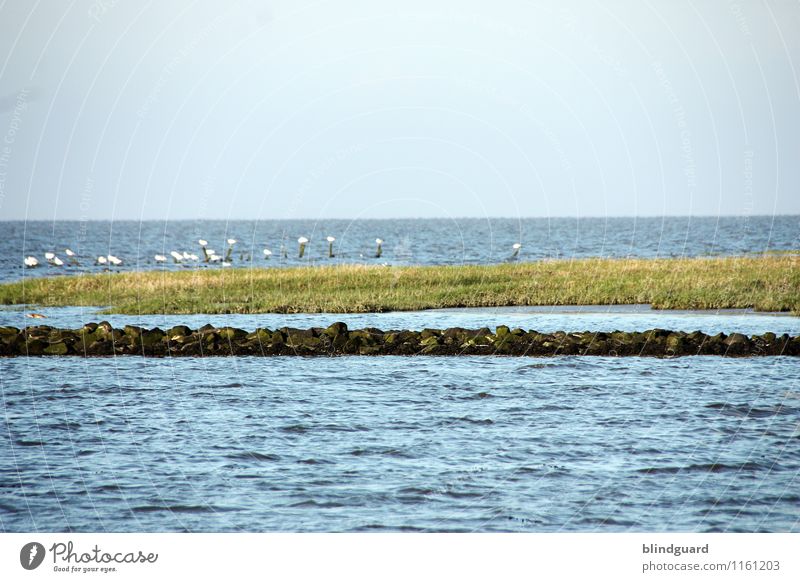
pixel 770 283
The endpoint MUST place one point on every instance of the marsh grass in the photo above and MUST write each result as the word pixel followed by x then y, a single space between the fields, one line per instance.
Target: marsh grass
pixel 769 283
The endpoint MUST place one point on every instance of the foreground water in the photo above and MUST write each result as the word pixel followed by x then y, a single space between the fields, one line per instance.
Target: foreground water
pixel 407 242
pixel 393 443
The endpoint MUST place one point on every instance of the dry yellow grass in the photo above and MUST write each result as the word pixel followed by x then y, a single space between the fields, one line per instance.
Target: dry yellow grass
pixel 765 283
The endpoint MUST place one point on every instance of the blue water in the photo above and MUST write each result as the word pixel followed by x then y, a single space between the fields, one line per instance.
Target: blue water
pixel 394 443
pixel 418 242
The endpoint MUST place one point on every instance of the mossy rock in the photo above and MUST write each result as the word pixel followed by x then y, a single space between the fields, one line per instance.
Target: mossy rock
pixel 33 347
pixel 231 333
pixel 334 329
pixel 179 330
pixel 152 337
pixel 87 338
pixel 429 341
pixel 104 328
pixel 455 333
pixel 738 344
pixel 297 341
pixel 261 335
pixel 676 344
pixel 191 349
pixel 426 333
pixel 57 349
pixel 352 345
pixel 133 331
pixel 501 331
pixel 101 347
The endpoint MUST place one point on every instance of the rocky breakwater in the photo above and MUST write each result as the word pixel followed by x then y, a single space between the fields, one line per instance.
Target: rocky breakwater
pixel 101 339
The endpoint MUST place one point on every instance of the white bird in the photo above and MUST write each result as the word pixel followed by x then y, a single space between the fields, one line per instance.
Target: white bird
pixel 226 264
pixel 206 252
pixel 160 259
pixel 176 256
pixel 330 240
pixel 516 247
pixel 214 258
pixel 114 260
pixel 101 260
pixel 267 253
pixel 53 259
pixel 229 252
pixel 73 260
pixel 31 262
pixel 302 242
pixel 193 257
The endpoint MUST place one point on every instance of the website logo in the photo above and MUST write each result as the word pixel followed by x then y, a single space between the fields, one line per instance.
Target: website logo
pixel 31 555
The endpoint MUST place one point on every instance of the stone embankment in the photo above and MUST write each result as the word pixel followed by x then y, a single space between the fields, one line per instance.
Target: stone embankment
pixel 102 339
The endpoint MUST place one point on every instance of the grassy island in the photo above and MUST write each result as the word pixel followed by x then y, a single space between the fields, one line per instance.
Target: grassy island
pixel 769 283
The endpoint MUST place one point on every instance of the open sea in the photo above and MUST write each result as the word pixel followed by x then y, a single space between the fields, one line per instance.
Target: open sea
pixel 406 241
pixel 401 443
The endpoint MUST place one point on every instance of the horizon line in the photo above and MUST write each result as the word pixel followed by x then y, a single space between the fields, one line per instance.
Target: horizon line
pixel 360 218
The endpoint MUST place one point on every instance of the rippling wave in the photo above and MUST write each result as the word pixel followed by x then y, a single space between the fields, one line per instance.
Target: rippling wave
pixel 400 444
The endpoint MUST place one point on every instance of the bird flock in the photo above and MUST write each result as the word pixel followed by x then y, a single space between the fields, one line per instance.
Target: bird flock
pixel 209 255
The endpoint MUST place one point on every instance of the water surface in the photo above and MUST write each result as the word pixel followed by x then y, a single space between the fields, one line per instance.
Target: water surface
pixel 407 241
pixel 400 443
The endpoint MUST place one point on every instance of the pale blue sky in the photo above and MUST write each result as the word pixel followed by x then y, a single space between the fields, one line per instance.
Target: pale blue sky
pixel 289 109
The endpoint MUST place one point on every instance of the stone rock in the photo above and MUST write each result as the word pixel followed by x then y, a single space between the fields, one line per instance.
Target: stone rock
pixel 133 331
pixel 335 329
pixel 57 349
pixel 738 344
pixel 178 330
pixel 103 340
pixel 229 333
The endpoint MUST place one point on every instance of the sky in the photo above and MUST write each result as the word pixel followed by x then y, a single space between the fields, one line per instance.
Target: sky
pixel 116 109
